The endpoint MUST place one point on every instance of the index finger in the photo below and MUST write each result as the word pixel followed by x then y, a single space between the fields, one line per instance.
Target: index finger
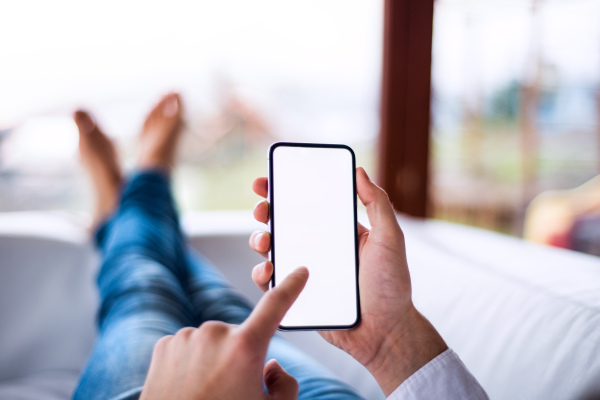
pixel 260 186
pixel 270 310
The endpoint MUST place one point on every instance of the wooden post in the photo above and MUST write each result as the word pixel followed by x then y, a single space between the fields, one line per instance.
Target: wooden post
pixel 530 93
pixel 403 162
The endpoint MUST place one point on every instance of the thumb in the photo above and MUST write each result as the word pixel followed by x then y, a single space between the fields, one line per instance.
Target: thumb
pixel 280 384
pixel 379 210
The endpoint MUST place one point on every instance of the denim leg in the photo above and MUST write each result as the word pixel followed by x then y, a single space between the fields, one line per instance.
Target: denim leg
pixel 151 286
pixel 142 298
pixel 213 298
pixel 315 381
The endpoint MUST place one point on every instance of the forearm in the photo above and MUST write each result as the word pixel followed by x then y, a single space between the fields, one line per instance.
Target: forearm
pixel 404 351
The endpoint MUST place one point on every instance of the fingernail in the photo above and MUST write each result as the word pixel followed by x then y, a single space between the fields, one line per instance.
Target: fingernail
pixel 257 239
pixel 170 107
pixel 262 267
pixel 257 269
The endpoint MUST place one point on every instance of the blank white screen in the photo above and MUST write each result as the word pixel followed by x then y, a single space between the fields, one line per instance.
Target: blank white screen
pixel 313 226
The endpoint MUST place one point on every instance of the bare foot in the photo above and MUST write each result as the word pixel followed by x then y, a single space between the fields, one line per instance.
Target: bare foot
pixel 99 157
pixel 160 134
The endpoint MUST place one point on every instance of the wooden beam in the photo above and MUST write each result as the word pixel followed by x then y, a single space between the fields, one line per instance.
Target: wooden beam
pixel 403 162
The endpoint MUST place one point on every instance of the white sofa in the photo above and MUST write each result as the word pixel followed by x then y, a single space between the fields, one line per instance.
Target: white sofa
pixel 524 318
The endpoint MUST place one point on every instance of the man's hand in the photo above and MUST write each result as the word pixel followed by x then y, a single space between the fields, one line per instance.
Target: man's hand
pixel 222 361
pixel 393 340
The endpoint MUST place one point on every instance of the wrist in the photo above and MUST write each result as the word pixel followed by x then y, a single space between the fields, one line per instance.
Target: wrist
pixel 403 351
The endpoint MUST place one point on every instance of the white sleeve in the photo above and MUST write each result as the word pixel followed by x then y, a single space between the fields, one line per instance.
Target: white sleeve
pixel 445 377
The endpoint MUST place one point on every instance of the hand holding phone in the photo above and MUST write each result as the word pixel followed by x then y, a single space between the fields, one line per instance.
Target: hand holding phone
pixel 393 340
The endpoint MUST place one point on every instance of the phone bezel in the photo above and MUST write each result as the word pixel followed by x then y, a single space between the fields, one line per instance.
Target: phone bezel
pixel 272 207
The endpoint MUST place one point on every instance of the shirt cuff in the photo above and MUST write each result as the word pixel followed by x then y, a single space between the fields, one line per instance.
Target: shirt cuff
pixel 444 377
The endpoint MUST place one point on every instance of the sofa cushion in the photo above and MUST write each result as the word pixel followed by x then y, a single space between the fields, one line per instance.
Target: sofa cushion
pixel 523 317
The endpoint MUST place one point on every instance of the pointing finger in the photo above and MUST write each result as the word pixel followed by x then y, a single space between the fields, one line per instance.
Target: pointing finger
pixel 270 310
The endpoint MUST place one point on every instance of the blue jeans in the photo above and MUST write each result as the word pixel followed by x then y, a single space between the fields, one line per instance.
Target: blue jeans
pixel 152 285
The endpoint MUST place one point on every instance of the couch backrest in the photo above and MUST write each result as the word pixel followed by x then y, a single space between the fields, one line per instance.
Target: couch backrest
pixel 47 298
pixel 525 318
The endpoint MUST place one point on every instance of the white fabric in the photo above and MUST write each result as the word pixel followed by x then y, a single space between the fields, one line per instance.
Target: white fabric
pixel 444 377
pixel 48 297
pixel 49 385
pixel 524 318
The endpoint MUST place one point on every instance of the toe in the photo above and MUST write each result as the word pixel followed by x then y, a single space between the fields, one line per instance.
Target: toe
pixel 163 115
pixel 160 134
pixel 170 105
pixel 84 122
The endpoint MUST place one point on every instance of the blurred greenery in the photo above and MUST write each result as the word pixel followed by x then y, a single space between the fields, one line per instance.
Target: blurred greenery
pixel 227 186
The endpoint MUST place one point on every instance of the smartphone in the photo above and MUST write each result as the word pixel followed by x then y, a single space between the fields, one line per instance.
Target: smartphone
pixel 312 194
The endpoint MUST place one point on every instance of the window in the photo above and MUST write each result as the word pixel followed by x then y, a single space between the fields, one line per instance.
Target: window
pixel 250 73
pixel 515 105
